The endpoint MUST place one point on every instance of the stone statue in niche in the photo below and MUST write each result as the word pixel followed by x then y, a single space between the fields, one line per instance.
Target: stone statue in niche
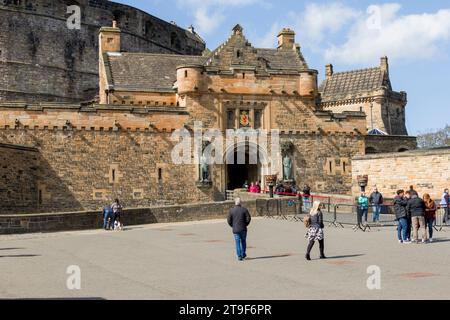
pixel 204 169
pixel 286 149
pixel 205 164
pixel 287 167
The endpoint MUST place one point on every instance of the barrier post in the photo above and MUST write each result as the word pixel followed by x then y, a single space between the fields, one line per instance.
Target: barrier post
pixel 335 223
pixel 329 204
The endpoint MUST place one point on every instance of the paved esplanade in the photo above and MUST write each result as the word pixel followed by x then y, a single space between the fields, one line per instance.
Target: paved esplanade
pixel 197 261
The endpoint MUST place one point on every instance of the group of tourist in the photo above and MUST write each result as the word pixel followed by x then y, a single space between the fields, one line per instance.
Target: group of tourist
pixel 111 216
pixel 411 211
pixel 417 213
pixel 254 187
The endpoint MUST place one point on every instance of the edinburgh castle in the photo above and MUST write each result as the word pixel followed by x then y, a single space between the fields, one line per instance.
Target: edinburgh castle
pixel 88 115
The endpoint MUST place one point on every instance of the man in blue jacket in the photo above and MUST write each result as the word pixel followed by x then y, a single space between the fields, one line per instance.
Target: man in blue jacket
pixel 239 218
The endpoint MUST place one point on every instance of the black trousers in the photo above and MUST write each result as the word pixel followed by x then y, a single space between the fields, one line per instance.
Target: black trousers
pixel 321 247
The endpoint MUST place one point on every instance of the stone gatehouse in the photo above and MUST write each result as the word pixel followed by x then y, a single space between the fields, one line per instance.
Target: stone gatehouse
pixel 122 146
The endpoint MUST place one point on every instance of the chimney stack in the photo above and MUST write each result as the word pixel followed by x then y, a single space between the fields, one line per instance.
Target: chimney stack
pixel 286 39
pixel 109 39
pixel 384 64
pixel 328 70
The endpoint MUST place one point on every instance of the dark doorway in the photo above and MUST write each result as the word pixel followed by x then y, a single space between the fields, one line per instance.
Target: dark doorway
pixel 237 174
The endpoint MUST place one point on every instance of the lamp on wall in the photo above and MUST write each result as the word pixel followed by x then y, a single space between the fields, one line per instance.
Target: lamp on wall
pixel 362 182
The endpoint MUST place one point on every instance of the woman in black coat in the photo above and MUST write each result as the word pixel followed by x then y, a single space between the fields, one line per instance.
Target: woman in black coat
pixel 315 231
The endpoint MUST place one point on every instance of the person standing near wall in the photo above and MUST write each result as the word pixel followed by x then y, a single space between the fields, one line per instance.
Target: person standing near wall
pixel 376 199
pixel 445 205
pixel 306 197
pixel 401 215
pixel 430 214
pixel 116 208
pixel 363 206
pixel 314 223
pixel 107 216
pixel 416 208
pixel 238 219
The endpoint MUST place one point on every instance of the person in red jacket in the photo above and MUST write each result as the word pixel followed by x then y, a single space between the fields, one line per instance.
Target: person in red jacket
pixel 430 214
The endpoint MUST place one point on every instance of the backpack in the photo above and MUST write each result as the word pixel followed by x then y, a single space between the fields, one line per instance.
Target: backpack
pixel 307 221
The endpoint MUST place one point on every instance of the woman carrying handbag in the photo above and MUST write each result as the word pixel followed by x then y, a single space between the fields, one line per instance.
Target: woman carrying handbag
pixel 314 223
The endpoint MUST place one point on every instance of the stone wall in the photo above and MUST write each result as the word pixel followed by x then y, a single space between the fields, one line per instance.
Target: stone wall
pixel 10 224
pixel 42 60
pixel 87 158
pixel 386 144
pixel 428 170
pixel 18 184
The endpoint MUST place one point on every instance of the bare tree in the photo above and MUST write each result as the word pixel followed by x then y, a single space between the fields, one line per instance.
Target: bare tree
pixel 438 138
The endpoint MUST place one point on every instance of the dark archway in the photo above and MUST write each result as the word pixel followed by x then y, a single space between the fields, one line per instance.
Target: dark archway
pixel 238 174
pixel 371 150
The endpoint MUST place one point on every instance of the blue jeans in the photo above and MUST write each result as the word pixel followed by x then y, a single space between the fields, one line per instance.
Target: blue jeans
pixel 429 222
pixel 241 243
pixel 402 229
pixel 376 212
pixel 408 228
pixel 363 213
pixel 106 216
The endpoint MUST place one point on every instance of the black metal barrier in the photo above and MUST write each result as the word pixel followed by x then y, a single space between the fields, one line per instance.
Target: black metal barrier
pixel 335 214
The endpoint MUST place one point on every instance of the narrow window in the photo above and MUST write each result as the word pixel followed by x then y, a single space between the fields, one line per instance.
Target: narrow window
pixel 40 197
pixel 159 174
pixel 243 75
pixel 113 175
pixel 185 73
pixel 343 166
pixel 330 166
pixel 238 54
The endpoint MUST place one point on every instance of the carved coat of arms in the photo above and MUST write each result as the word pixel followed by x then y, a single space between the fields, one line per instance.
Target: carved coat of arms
pixel 244 119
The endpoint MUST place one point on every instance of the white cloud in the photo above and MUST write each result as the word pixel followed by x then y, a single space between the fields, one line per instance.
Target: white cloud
pixel 209 14
pixel 269 40
pixel 383 31
pixel 320 20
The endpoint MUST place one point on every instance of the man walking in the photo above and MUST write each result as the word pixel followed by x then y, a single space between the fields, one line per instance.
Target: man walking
pixel 376 200
pixel 239 218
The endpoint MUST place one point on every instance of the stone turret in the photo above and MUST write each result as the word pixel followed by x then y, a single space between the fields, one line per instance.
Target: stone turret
pixel 190 78
pixel 308 83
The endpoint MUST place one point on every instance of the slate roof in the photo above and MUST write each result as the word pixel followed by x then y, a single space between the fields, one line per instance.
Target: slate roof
pixel 344 84
pixel 157 72
pixel 145 71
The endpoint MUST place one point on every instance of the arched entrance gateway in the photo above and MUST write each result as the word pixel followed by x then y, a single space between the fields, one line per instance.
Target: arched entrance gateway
pixel 245 162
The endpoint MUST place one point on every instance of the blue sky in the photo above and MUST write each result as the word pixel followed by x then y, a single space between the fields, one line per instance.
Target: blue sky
pixel 414 34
